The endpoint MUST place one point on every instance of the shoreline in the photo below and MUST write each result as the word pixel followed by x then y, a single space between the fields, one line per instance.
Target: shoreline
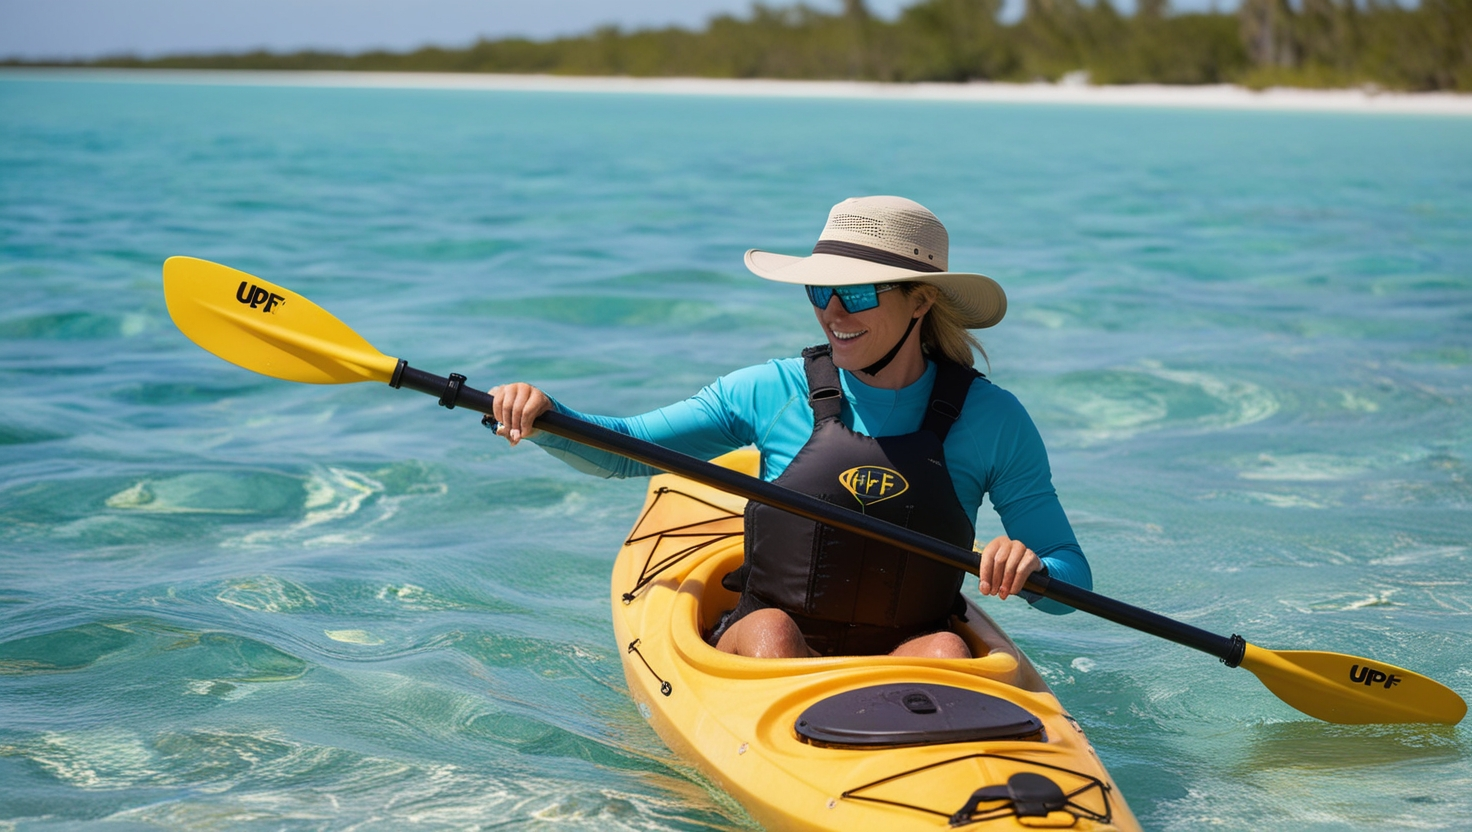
pixel 1212 97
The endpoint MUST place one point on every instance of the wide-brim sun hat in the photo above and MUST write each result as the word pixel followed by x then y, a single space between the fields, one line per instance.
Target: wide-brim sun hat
pixel 886 239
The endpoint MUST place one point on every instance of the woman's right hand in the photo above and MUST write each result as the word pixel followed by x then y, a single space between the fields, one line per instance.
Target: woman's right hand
pixel 1005 567
pixel 516 406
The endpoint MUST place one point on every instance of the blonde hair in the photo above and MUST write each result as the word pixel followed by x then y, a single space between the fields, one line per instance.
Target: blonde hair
pixel 942 333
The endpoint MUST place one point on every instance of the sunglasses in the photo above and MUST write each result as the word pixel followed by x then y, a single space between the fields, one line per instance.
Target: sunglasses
pixel 853 298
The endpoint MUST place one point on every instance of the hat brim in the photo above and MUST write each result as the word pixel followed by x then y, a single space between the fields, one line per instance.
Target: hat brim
pixel 978 298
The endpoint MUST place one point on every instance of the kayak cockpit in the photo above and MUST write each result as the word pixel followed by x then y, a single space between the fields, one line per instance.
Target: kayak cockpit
pixel 701 599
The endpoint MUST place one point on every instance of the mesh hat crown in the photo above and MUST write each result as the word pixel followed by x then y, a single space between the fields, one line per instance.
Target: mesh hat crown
pixel 886 239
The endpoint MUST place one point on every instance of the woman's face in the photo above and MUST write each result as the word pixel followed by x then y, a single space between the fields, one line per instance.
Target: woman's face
pixel 861 338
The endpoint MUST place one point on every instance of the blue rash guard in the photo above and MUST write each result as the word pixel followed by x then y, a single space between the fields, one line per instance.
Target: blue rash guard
pixel 993 449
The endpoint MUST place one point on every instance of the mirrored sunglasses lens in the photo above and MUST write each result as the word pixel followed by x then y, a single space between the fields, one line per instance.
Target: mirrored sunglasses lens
pixel 858 298
pixel 820 295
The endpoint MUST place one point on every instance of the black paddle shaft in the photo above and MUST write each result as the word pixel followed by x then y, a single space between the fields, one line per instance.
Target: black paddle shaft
pixel 453 393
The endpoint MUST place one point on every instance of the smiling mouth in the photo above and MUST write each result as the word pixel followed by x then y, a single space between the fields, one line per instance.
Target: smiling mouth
pixel 847 336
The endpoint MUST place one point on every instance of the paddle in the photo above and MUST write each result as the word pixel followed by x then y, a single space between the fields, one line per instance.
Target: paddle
pixel 273 331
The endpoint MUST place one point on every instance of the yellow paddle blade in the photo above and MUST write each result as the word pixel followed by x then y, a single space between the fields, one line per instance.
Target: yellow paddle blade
pixel 266 328
pixel 1352 690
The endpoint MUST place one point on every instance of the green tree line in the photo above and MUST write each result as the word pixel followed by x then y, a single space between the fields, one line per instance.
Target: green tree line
pixel 1315 43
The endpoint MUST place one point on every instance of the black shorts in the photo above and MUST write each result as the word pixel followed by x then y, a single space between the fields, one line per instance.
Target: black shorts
pixel 835 638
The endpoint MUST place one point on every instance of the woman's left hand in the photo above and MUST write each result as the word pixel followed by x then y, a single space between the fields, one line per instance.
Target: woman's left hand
pixel 1005 565
pixel 517 407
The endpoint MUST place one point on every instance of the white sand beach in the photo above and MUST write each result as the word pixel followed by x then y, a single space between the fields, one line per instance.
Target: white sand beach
pixel 1217 97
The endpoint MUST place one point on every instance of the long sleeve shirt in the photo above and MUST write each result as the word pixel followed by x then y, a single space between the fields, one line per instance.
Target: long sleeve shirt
pixel 993 449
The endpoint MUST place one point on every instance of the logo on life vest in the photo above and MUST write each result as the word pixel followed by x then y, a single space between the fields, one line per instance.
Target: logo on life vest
pixel 1370 676
pixel 256 296
pixel 871 484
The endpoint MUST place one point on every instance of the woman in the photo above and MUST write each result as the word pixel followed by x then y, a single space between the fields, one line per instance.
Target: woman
pixel 888 418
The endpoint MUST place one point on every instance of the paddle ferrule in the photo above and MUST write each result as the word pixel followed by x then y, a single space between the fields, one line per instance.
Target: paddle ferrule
pixel 1239 649
pixel 452 391
pixel 439 386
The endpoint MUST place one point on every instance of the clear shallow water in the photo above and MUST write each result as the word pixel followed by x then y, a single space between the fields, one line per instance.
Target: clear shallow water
pixel 1247 338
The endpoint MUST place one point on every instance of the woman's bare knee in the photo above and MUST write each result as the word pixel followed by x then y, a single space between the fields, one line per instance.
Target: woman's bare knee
pixel 765 634
pixel 934 646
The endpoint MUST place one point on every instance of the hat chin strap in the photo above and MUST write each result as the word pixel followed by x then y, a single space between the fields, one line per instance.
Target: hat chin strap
pixel 875 368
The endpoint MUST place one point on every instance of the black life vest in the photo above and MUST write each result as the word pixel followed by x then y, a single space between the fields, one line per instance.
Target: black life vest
pixel 850 594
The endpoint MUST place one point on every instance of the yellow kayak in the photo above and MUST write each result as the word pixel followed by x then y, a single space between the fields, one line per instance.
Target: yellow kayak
pixel 842 743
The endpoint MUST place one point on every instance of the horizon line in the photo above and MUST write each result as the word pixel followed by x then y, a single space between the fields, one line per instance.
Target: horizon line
pixel 1069 92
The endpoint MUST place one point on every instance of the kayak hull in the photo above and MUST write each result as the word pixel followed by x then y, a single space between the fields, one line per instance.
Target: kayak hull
pixel 734 718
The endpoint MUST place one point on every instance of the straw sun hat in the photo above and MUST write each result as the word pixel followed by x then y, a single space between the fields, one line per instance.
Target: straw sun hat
pixel 886 239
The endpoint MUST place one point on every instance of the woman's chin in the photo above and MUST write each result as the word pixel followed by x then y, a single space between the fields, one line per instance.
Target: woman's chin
pixel 849 356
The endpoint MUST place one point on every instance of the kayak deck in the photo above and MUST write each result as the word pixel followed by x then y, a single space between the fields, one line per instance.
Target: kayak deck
pixel 735 718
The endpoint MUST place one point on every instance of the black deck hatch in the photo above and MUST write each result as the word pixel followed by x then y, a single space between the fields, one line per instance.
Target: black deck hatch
pixel 913 714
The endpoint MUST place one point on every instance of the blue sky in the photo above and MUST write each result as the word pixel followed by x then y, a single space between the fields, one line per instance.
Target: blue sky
pixel 92 28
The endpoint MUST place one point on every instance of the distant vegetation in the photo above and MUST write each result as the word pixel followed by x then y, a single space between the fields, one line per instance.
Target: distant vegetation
pixel 1313 43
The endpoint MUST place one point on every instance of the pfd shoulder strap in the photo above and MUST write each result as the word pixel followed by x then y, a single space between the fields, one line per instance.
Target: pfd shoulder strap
pixel 825 394
pixel 948 396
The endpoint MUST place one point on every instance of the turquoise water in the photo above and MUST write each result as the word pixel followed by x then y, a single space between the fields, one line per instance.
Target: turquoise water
pixel 232 601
